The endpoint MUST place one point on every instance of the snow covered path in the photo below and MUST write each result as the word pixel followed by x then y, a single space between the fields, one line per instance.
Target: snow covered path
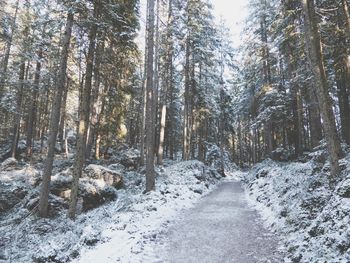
pixel 221 228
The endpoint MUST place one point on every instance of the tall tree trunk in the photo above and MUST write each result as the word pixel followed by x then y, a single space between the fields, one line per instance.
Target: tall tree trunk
pixel 62 131
pixel 18 114
pixel 168 84
pixel 314 117
pixel 5 61
pixel 150 114
pixel 346 16
pixel 99 117
pixel 143 119
pixel 342 73
pixel 55 118
pixel 296 103
pixel 33 105
pixel 156 79
pixel 84 114
pixel 222 133
pixel 44 122
pixel 95 97
pixel 187 113
pixel 315 56
pixel 144 96
pixel 171 119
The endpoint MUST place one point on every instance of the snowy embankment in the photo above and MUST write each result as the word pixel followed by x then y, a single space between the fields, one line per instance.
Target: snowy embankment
pixel 295 199
pixel 124 229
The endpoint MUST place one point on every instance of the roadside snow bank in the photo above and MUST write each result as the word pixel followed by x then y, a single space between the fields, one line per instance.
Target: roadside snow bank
pixel 122 230
pixel 296 200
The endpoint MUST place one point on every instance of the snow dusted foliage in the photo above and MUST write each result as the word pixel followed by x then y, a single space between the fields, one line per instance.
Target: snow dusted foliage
pixel 295 199
pixel 124 229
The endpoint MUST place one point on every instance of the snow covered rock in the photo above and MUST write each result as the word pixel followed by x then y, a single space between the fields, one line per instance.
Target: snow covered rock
pixel 94 193
pixel 61 185
pixel 99 172
pixel 128 157
pixel 10 195
pixel 343 189
pixel 15 185
pixel 117 167
pixel 8 164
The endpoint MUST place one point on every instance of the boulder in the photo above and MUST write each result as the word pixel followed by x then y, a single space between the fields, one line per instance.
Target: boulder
pixel 94 190
pixel 8 164
pixel 10 195
pixel 344 189
pixel 130 163
pixel 88 187
pixel 110 177
pixel 129 158
pixel 94 194
pixel 61 185
pixel 117 167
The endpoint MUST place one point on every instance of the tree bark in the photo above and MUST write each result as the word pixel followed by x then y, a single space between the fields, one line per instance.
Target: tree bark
pixel 144 96
pixel 186 113
pixel 5 61
pixel 62 131
pixel 346 16
pixel 33 105
pixel 342 76
pixel 84 114
pixel 150 114
pixel 168 84
pixel 314 117
pixel 18 114
pixel 95 97
pixel 55 117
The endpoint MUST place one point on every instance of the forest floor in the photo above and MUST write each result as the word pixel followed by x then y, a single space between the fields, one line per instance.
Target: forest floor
pixel 194 215
pixel 127 229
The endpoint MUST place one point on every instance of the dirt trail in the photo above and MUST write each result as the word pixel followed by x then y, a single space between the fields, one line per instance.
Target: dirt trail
pixel 221 228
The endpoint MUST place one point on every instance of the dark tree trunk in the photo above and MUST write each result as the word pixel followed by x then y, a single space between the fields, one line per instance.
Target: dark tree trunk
pixel 55 117
pixel 150 114
pixel 6 58
pixel 33 105
pixel 18 114
pixel 84 115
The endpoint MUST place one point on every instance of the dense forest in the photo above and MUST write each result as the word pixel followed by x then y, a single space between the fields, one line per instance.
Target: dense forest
pixel 75 67
pixel 76 84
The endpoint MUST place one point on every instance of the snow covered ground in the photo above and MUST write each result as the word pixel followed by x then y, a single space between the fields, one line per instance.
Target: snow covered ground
pixel 295 200
pixel 122 230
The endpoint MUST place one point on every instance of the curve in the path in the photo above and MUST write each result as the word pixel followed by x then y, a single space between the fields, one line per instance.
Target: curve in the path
pixel 221 228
